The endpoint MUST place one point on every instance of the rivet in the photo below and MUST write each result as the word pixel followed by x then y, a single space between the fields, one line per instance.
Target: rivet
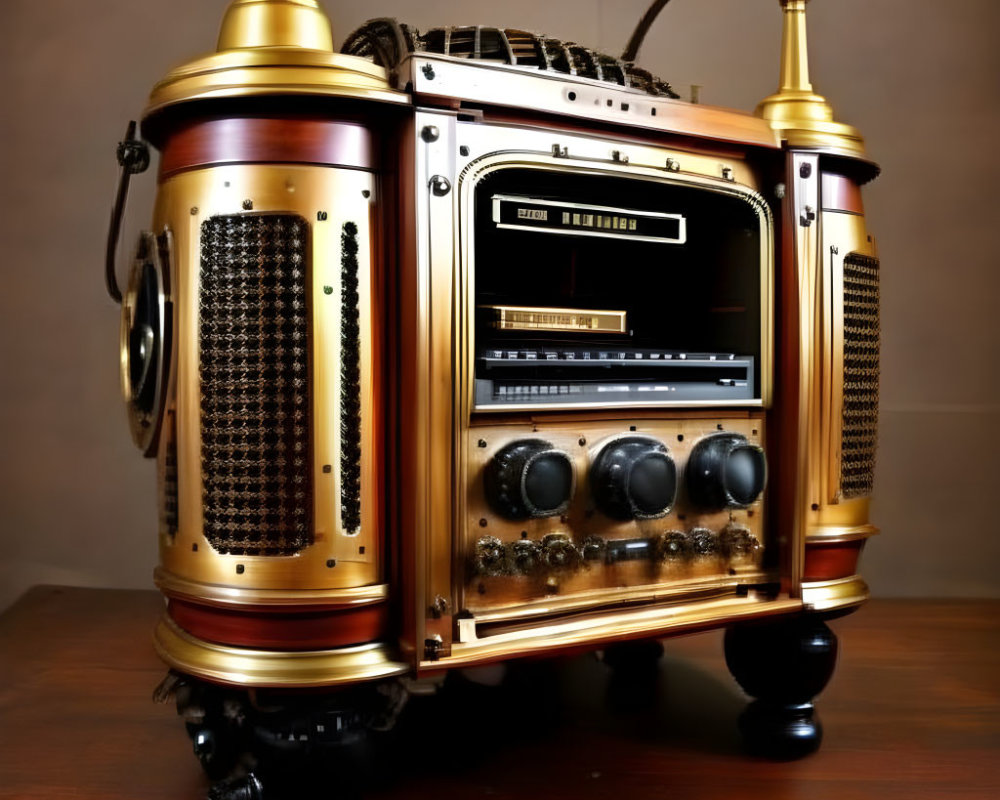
pixel 581 441
pixel 430 133
pixel 482 443
pixel 194 547
pixel 321 216
pixel 365 193
pixel 327 469
pixel 463 150
pixel 327 290
pixel 779 191
pixel 247 205
pixel 194 210
pixel 815 506
pixel 428 71
pixel 483 523
pixel 680 437
pixel 331 562
pixel 240 569
pixel 361 550
pixel 631 427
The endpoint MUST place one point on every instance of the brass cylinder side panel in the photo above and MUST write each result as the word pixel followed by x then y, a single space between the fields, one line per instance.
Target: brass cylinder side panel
pixel 184 202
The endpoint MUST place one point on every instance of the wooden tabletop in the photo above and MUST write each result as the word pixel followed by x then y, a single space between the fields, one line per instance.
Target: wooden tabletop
pixel 912 712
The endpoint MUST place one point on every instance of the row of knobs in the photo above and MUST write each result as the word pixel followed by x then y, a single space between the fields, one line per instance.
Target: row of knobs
pixel 632 477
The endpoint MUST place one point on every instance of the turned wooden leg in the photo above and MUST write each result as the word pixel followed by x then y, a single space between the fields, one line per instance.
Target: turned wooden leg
pixel 784 664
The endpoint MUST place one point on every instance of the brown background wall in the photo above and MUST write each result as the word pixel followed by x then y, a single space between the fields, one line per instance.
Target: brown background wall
pixel 919 77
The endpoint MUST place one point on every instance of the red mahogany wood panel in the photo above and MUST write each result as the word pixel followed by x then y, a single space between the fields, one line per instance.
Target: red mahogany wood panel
pixel 912 713
pixel 236 140
pixel 828 561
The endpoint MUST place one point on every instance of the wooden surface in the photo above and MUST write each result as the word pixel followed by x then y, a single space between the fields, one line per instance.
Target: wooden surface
pixel 913 711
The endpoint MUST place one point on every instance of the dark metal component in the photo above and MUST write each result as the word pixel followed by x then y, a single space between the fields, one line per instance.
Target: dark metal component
pixel 133 158
pixel 559 553
pixel 725 470
pixel 248 205
pixel 255 400
pixel 634 477
pixel 430 133
pixel 529 479
pixel 859 433
pixel 440 607
pixel 440 185
pixel 594 548
pixel 560 151
pixel 737 542
pixel 808 216
pixel 639 34
pixel 388 43
pixel 523 556
pixel 672 545
pixel 703 542
pixel 247 787
pixel 481 443
pixel 433 648
pixel 490 557
pixel 784 665
pixel 321 216
pixel 350 382
pixel 463 150
pixel 805 170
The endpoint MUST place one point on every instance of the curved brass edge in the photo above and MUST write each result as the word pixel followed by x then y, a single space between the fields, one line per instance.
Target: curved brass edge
pixel 238 666
pixel 836 594
pixel 829 534
pixel 231 596
pixel 593 631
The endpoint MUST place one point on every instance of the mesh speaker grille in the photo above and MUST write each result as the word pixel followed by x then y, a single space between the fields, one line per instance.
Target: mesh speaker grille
pixel 254 384
pixel 350 382
pixel 861 370
pixel 170 476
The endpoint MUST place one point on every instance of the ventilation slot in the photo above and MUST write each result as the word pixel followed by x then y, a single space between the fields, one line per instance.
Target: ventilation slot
pixel 350 383
pixel 168 518
pixel 861 370
pixel 254 384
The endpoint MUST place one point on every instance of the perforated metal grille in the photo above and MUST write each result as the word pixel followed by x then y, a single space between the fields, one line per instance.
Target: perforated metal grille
pixel 861 371
pixel 350 382
pixel 254 384
pixel 170 476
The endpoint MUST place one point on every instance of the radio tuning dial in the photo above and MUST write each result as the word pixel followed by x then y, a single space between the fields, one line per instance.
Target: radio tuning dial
pixel 725 471
pixel 634 477
pixel 529 478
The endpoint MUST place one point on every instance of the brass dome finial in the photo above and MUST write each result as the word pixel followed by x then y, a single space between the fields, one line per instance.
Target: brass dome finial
pixel 802 117
pixel 252 24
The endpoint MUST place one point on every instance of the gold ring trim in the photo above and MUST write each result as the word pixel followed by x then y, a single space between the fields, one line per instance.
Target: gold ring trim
pixel 835 594
pixel 830 534
pixel 270 668
pixel 230 596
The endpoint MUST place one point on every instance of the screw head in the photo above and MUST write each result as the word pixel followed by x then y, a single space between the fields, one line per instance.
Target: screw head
pixel 428 71
pixel 248 205
pixel 430 133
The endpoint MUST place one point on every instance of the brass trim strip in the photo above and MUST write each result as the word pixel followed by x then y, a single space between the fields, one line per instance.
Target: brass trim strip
pixel 828 534
pixel 835 594
pixel 265 668
pixel 596 598
pixel 593 630
pixel 227 596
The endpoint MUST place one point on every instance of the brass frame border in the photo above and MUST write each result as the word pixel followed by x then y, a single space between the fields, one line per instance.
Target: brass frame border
pixel 829 534
pixel 592 630
pixel 479 168
pixel 265 668
pixel 174 585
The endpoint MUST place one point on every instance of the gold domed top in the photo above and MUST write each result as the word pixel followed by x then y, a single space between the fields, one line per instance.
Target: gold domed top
pixel 270 48
pixel 801 117
pixel 275 23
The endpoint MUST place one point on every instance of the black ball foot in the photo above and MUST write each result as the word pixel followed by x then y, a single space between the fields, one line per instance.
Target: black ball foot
pixel 780 732
pixel 784 664
pixel 248 787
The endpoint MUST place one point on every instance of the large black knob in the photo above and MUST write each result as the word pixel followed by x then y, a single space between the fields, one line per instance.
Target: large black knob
pixel 634 477
pixel 529 478
pixel 725 470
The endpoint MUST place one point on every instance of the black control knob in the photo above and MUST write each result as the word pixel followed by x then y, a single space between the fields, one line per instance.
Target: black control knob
pixel 529 478
pixel 725 470
pixel 634 477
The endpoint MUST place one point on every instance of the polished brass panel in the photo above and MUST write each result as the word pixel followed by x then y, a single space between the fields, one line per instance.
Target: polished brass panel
pixel 271 668
pixel 595 629
pixel 801 117
pixel 585 586
pixel 184 201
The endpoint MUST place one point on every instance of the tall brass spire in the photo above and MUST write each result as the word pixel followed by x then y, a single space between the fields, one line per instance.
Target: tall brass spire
pixel 802 117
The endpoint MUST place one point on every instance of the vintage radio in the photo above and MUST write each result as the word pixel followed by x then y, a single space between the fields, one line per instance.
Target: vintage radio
pixel 469 345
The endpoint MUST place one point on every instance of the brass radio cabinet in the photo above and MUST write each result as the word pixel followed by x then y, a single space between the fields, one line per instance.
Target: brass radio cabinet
pixel 462 346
